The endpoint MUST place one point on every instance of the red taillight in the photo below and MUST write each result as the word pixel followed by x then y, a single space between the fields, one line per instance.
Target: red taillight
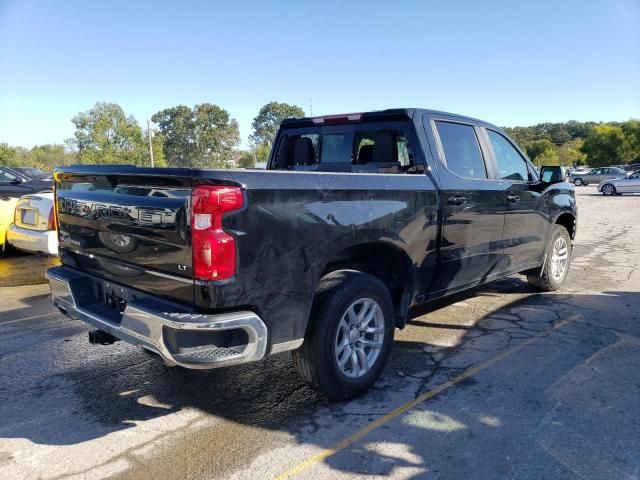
pixel 214 250
pixel 53 214
pixel 51 225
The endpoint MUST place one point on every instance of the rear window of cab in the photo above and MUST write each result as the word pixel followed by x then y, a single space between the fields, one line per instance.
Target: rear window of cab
pixel 365 148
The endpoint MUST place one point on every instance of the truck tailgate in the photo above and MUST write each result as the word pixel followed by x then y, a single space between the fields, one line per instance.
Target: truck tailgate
pixel 128 225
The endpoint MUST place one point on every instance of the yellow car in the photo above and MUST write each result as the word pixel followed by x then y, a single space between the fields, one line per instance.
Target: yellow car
pixel 7 209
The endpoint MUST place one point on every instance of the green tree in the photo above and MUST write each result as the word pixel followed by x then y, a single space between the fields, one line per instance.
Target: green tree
pixel 578 129
pixel 262 153
pixel 48 157
pixel 556 132
pixel 8 155
pixel 266 124
pixel 603 146
pixel 106 135
pixel 246 159
pixel 177 127
pixel 570 153
pixel 548 157
pixel 631 144
pixel 543 150
pixel 205 136
pixel 157 143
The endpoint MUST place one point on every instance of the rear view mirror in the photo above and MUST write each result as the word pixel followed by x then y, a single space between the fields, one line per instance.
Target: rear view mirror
pixel 553 174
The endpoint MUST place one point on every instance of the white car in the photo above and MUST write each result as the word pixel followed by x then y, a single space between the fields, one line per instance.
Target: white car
pixel 618 186
pixel 581 170
pixel 34 225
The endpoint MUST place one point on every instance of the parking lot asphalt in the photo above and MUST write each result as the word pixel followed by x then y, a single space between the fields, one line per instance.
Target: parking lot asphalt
pixel 500 382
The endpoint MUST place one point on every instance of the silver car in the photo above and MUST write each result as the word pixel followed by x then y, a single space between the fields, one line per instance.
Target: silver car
pixel 597 175
pixel 618 186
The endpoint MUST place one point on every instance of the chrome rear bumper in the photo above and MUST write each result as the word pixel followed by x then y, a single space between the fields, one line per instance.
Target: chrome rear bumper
pixel 180 337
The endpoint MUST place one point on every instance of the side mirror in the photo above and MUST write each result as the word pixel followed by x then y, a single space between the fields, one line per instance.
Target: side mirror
pixel 553 174
pixel 16 181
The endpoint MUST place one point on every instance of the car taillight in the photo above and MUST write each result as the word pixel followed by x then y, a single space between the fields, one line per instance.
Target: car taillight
pixel 51 225
pixel 53 222
pixel 214 250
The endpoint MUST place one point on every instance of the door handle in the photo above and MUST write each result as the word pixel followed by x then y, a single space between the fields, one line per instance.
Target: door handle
pixel 457 200
pixel 513 198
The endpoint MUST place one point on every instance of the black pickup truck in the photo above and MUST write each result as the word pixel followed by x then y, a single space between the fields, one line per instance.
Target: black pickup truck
pixel 357 219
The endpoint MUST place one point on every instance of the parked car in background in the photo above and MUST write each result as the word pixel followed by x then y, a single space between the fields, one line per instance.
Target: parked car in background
pixel 14 184
pixel 596 175
pixel 578 170
pixel 7 207
pixel 618 186
pixel 33 173
pixel 631 167
pixel 34 225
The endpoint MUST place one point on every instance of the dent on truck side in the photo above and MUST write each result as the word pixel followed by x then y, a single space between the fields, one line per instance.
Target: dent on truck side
pixel 296 223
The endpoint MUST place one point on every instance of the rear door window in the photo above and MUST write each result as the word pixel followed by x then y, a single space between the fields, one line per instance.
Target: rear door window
pixel 511 165
pixel 461 149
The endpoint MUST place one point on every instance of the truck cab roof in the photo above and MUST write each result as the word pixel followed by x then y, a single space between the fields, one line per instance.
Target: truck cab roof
pixel 377 115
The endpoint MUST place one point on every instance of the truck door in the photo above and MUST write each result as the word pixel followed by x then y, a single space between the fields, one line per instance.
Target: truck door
pixel 526 217
pixel 472 203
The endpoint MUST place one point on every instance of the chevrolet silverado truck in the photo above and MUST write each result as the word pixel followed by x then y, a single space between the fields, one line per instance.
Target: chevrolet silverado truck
pixel 357 219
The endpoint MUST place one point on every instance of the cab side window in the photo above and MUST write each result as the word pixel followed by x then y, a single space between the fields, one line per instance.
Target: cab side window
pixel 511 165
pixel 6 177
pixel 461 150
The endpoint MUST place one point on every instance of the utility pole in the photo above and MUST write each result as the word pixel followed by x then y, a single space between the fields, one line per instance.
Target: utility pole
pixel 150 144
pixel 311 107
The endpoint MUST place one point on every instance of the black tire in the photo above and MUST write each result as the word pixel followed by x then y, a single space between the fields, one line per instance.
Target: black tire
pixel 542 278
pixel 578 182
pixel 316 360
pixel 608 191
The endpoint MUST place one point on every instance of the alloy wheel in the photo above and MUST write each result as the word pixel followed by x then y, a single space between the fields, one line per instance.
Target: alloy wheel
pixel 359 338
pixel 559 258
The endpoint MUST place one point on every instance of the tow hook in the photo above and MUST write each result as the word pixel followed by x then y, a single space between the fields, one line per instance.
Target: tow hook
pixel 98 337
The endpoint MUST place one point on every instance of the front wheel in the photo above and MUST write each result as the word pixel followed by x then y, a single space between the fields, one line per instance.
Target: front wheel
pixel 608 189
pixel 578 182
pixel 349 335
pixel 553 272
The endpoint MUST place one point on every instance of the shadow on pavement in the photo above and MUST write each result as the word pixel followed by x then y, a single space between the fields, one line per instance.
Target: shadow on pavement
pixel 114 391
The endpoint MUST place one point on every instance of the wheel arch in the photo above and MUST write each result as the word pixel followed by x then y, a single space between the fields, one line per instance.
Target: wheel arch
pixel 385 261
pixel 567 220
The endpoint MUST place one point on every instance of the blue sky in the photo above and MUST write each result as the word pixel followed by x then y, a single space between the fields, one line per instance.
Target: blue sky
pixel 511 63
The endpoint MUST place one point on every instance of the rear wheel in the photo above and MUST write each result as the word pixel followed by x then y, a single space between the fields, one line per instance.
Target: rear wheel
pixel 553 273
pixel 608 189
pixel 578 182
pixel 349 336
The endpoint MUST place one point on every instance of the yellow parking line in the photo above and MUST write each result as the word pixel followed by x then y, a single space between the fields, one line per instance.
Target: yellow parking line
pixel 353 438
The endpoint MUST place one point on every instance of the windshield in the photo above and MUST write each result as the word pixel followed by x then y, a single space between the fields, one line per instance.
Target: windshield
pixel 32 172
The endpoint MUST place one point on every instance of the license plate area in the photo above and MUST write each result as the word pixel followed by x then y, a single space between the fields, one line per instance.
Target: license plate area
pixel 28 216
pixel 114 302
